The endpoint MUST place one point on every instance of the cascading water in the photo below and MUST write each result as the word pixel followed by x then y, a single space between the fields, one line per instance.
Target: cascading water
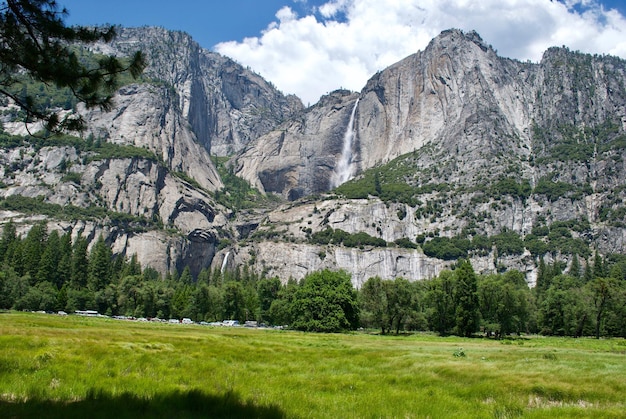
pixel 224 262
pixel 344 170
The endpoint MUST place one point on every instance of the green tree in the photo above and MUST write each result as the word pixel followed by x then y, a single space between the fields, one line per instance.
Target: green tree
pixel 503 302
pixel 614 323
pixel 598 266
pixel 601 291
pixel 466 297
pixel 234 301
pixel 565 309
pixel 80 264
pixel 12 287
pixel 33 247
pixel 130 295
pixel 49 262
pixel 64 267
pixel 42 296
pixel 100 264
pixel 181 302
pixel 37 45
pixel 440 302
pixel 399 299
pixel 186 277
pixel 9 237
pixel 215 304
pixel 373 303
pixel 268 290
pixel 280 309
pixel 325 302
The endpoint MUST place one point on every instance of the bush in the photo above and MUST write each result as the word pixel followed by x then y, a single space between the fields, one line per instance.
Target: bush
pixel 338 236
pixel 406 243
pixel 446 248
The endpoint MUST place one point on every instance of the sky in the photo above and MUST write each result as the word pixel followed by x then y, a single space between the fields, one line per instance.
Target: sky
pixel 312 47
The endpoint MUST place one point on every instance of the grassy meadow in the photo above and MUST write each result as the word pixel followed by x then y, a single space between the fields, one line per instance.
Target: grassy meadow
pixel 52 366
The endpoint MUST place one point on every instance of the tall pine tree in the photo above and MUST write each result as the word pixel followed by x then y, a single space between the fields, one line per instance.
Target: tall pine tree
pixel 100 265
pixel 467 305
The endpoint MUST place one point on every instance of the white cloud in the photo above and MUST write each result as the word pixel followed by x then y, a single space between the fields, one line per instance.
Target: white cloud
pixel 347 41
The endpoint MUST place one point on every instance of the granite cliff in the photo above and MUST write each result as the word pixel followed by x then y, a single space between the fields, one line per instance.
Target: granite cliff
pixel 451 152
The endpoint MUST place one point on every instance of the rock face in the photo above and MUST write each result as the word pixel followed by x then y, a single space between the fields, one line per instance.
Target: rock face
pixel 297 158
pixel 225 104
pixel 457 97
pixel 454 125
pixel 190 103
pixel 516 160
pixel 148 116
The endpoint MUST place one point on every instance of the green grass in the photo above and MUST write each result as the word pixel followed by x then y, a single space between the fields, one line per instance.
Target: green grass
pixel 54 366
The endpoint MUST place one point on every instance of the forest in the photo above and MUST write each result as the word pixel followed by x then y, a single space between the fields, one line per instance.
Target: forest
pixel 50 271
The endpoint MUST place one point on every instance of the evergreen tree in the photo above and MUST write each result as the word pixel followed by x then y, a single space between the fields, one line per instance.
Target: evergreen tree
pixel 215 304
pixel 268 290
pixel 36 45
pixel 9 236
pixel 16 255
pixel 588 273
pixel 598 266
pixel 186 277
pixel 151 274
pixel 118 267
pixel 64 268
pixel 216 277
pixel 49 262
pixel 100 265
pixel 133 267
pixel 33 248
pixel 80 264
pixel 234 301
pixel 467 307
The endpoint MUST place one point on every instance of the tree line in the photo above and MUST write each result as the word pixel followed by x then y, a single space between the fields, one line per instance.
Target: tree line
pixel 50 271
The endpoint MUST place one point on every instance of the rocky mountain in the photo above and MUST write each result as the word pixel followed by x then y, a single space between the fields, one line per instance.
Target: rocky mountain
pixel 457 97
pixel 150 157
pixel 452 152
pixel 225 104
pixel 461 146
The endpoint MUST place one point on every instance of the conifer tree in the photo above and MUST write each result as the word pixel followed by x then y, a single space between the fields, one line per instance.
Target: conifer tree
pixel 574 269
pixel 100 265
pixel 33 248
pixel 80 263
pixel 49 262
pixel 64 268
pixel 598 266
pixel 9 236
pixel 467 305
pixel 37 45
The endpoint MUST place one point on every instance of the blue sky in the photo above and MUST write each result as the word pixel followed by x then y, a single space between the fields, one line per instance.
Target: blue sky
pixel 208 21
pixel 310 47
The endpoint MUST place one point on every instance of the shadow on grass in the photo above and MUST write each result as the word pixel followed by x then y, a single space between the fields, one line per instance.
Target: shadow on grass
pixel 187 404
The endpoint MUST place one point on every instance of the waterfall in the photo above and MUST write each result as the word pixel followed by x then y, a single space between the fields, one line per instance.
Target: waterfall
pixel 224 262
pixel 344 170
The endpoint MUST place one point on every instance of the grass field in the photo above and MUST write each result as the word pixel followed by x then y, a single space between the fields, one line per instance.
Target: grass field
pixel 52 366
